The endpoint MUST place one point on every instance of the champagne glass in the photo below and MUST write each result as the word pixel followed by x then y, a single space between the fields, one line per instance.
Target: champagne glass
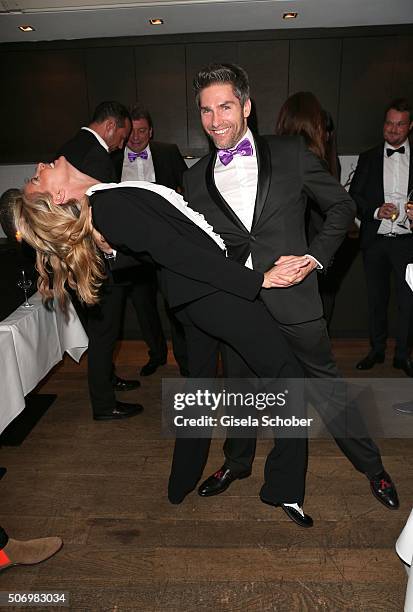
pixel 405 222
pixel 394 215
pixel 25 283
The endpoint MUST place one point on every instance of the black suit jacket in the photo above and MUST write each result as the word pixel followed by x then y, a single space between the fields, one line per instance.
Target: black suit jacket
pixel 87 155
pixel 368 192
pixel 168 164
pixel 287 174
pixel 139 222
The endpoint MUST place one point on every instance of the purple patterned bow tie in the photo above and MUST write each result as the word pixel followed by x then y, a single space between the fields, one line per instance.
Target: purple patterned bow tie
pixel 243 148
pixel 132 156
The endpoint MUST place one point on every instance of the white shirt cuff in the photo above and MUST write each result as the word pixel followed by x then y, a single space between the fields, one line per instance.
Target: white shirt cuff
pixel 319 265
pixel 376 214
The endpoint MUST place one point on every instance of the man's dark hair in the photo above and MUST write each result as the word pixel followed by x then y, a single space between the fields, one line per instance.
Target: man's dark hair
pixel 7 200
pixel 111 109
pixel 219 74
pixel 139 112
pixel 399 104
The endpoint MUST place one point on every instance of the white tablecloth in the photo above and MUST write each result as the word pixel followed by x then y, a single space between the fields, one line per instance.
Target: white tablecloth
pixel 404 548
pixel 32 341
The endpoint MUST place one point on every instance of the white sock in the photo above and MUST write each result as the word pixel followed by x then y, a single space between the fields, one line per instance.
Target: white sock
pixel 296 507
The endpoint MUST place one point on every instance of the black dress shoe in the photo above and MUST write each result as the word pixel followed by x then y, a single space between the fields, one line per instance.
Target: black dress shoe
pixel 296 516
pixel 368 362
pixel 384 489
pixel 151 367
pixel 404 364
pixel 120 411
pixel 220 481
pixel 120 384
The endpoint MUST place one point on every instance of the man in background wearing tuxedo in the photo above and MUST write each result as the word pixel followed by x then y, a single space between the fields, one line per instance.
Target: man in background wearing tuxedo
pixel 89 152
pixel 253 191
pixel 143 159
pixel 380 186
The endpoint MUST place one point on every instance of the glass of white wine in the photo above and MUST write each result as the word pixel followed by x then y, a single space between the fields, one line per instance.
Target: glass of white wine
pixel 25 283
pixel 395 214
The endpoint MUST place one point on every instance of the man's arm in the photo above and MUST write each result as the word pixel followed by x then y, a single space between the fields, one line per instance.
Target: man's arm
pixel 334 201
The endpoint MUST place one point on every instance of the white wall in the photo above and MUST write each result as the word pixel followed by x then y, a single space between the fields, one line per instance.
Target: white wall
pixel 14 175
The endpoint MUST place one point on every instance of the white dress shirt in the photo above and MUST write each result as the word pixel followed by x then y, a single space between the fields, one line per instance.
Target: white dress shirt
pixel 173 198
pixel 98 138
pixel 237 183
pixel 139 169
pixel 395 185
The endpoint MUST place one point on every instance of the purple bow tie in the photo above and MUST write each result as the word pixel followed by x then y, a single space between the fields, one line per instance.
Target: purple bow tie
pixel 243 148
pixel 132 156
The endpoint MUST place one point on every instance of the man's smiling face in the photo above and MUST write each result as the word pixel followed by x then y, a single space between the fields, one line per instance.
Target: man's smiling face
pixel 223 117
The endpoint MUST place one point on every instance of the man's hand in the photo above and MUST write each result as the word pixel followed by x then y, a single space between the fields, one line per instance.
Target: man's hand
pixel 409 210
pixel 289 270
pixel 386 210
pixel 101 243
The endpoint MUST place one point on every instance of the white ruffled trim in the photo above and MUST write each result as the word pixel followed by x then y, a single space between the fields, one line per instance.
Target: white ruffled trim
pixel 173 198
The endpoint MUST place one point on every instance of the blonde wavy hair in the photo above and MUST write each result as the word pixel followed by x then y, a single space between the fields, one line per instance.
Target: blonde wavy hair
pixel 66 254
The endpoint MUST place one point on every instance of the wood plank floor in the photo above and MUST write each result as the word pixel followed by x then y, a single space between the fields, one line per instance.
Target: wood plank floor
pixel 101 486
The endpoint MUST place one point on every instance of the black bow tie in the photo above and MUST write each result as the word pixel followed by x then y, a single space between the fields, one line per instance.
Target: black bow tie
pixel 391 151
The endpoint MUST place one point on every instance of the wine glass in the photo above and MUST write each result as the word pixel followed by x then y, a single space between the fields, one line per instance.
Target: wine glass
pixel 394 216
pixel 405 222
pixel 25 283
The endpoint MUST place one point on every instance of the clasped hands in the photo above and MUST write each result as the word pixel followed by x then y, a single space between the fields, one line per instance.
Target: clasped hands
pixel 288 270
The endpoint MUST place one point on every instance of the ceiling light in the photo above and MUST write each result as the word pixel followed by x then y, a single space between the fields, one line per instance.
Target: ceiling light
pixel 156 21
pixel 26 28
pixel 290 15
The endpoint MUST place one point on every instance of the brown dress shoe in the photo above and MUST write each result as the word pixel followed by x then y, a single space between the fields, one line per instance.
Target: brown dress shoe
pixel 28 552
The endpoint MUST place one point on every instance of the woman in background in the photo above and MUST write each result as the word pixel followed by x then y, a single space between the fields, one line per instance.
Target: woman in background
pixel 303 114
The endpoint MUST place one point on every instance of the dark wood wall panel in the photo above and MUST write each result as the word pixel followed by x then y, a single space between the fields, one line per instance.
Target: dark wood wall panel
pixel 161 87
pixel 44 99
pixel 267 67
pixel 198 56
pixel 315 65
pixel 366 88
pixel 403 70
pixel 110 74
pixel 51 88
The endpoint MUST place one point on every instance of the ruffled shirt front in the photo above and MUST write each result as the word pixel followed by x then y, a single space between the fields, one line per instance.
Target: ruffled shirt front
pixel 173 198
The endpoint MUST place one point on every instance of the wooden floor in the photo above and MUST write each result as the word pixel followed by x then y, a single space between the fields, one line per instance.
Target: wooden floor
pixel 101 486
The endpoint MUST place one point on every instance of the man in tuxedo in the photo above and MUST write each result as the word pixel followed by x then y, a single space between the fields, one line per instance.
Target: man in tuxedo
pixel 89 151
pixel 253 191
pixel 380 186
pixel 143 159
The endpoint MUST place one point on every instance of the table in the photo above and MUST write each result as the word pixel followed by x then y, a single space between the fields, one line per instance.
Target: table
pixel 32 341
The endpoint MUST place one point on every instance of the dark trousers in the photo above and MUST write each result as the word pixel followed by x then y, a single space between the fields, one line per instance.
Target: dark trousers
pixel 255 336
pixel 383 258
pixel 311 345
pixel 4 538
pixel 103 326
pixel 144 296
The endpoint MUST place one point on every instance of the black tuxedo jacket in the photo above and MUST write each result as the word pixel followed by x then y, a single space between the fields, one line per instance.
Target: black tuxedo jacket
pixel 139 222
pixel 287 174
pixel 168 164
pixel 368 192
pixel 87 155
